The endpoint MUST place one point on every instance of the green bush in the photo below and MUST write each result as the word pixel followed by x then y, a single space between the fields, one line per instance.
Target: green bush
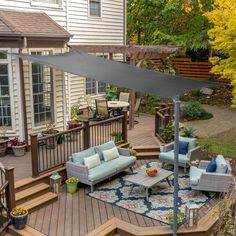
pixel 167 132
pixel 151 103
pixel 194 111
pixel 112 93
pixel 188 132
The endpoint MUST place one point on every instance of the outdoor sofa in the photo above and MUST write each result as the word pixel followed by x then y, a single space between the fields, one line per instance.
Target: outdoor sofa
pixel 76 167
pixel 218 181
pixel 167 154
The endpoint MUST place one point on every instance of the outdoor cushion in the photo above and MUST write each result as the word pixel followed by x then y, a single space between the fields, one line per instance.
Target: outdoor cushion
pixel 110 154
pixel 191 141
pixel 102 171
pixel 122 161
pixel 79 156
pixel 211 166
pixel 92 161
pixel 195 174
pixel 169 156
pixel 183 147
pixel 221 165
pixel 104 147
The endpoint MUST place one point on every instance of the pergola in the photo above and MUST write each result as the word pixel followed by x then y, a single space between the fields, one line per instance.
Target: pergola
pixel 136 55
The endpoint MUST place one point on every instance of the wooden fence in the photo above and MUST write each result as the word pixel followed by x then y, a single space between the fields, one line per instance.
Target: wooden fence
pixel 163 116
pixel 53 151
pixel 7 196
pixel 187 68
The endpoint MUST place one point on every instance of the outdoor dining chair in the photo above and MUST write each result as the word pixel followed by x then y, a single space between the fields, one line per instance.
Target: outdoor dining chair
pixel 102 111
pixel 90 107
pixel 124 97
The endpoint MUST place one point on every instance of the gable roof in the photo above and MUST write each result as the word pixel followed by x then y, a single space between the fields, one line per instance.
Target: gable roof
pixel 29 24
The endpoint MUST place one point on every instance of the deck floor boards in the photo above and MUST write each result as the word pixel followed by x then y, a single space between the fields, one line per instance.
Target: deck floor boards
pixel 77 214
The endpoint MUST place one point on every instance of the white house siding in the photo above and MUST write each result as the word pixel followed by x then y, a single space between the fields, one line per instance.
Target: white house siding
pixel 108 29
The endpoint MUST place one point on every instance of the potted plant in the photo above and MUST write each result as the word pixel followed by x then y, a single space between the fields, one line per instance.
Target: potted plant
pixel 180 218
pixel 18 146
pixel 3 141
pixel 71 184
pixel 50 130
pixel 19 217
pixel 132 152
pixel 75 111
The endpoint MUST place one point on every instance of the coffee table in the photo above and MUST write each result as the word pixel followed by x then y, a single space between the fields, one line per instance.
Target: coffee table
pixel 141 178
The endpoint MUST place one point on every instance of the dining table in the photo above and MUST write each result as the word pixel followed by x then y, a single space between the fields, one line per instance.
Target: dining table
pixel 117 106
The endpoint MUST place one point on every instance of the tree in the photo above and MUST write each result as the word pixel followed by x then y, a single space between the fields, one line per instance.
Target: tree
pixel 223 39
pixel 181 22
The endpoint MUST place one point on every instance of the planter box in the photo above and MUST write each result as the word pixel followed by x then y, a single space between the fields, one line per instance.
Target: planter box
pixel 51 143
pixel 19 150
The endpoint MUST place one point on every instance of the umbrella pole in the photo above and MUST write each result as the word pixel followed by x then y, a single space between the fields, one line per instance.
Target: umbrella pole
pixel 176 168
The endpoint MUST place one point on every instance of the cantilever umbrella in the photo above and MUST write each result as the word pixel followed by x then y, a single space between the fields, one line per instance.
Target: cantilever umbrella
pixel 131 77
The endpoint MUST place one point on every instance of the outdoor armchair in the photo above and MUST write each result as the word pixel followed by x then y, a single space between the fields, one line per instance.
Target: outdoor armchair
pixel 124 97
pixel 209 181
pixel 167 154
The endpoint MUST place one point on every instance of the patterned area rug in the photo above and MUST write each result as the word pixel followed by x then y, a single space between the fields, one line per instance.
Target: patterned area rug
pixel 160 202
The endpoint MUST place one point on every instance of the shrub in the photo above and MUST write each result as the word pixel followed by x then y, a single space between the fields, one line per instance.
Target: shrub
pixel 167 132
pixel 188 132
pixel 194 111
pixel 151 103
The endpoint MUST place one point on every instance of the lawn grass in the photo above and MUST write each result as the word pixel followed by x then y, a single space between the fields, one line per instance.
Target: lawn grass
pixel 218 146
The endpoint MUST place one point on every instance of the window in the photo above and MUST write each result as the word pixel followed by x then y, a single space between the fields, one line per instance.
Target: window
pixel 95 8
pixel 42 87
pixel 93 86
pixel 5 101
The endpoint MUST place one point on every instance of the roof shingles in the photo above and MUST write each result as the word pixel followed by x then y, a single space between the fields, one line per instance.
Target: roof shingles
pixel 30 24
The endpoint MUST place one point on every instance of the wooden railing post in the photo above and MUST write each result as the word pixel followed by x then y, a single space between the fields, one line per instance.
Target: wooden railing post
pixel 124 127
pixel 86 134
pixel 10 190
pixel 34 155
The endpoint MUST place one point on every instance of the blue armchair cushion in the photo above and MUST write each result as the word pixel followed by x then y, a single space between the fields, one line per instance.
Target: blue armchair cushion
pixel 183 147
pixel 103 147
pixel 211 166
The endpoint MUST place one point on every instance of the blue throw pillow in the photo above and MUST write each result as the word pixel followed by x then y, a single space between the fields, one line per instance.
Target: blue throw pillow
pixel 183 147
pixel 211 166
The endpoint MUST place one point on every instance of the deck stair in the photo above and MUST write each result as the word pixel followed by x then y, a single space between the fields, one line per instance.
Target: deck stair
pixel 27 231
pixel 34 193
pixel 147 152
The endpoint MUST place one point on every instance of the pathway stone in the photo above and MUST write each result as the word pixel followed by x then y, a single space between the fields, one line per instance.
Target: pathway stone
pixel 224 119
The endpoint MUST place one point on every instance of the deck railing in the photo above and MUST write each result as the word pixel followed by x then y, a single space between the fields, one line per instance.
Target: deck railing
pixel 7 196
pixel 52 151
pixel 163 116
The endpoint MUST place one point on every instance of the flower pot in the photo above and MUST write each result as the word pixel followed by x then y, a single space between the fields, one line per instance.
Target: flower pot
pixel 71 188
pixel 172 224
pixel 19 222
pixel 73 136
pixel 51 143
pixel 19 150
pixel 3 145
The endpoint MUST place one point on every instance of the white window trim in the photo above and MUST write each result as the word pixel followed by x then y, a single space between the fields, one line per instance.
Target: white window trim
pixel 11 129
pixel 40 127
pixel 95 17
pixel 45 4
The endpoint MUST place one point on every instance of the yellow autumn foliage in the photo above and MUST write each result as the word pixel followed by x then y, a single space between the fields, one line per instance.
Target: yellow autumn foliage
pixel 223 39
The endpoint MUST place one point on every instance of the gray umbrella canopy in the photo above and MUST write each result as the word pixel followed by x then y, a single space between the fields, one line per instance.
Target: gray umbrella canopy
pixel 119 74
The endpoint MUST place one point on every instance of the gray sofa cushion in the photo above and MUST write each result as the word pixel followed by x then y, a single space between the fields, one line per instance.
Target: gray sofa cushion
pixel 103 147
pixel 195 174
pixel 79 156
pixel 122 162
pixel 221 165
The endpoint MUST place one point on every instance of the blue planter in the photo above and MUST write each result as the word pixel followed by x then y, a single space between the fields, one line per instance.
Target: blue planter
pixel 19 222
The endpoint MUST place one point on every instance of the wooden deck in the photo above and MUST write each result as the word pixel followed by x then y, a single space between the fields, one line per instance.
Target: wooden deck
pixel 77 214
pixel 142 134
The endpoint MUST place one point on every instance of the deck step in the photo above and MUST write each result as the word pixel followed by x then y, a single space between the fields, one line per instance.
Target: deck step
pixel 147 155
pixel 124 145
pixel 7 234
pixel 40 201
pixel 27 231
pixel 27 194
pixel 146 148
pixel 30 181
